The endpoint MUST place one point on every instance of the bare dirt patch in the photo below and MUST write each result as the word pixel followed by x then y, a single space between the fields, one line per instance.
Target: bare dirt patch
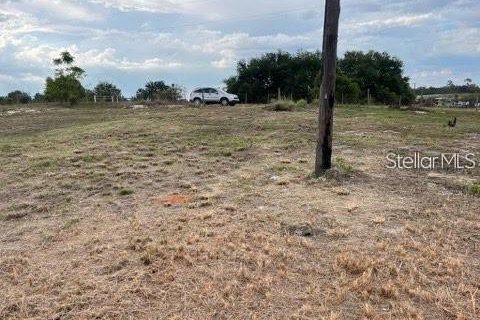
pixel 173 198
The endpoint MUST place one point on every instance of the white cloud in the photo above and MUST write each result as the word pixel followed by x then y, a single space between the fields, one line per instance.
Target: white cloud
pixel 227 59
pixel 160 6
pixel 23 77
pixel 15 23
pixel 39 54
pixel 459 41
pixel 229 48
pixel 212 10
pixel 91 58
pixel 141 41
pixel 426 74
pixel 108 59
pixel 60 10
pixel 390 22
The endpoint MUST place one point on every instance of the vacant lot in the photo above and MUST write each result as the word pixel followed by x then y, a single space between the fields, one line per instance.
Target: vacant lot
pixel 187 213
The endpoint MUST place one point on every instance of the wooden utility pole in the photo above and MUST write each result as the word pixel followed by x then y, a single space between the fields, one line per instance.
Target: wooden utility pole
pixel 327 93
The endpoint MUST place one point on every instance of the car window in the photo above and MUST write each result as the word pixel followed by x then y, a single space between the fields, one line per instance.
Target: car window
pixel 198 91
pixel 213 91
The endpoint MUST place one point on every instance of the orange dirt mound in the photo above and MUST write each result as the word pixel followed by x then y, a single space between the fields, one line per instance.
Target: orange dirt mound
pixel 174 198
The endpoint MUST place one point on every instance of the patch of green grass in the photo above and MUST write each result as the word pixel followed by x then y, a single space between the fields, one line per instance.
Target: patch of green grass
pixel 285 167
pixel 245 183
pixel 473 188
pixel 226 153
pixel 357 140
pixel 70 223
pixel 343 165
pixel 169 162
pixel 47 163
pixel 301 104
pixel 91 158
pixel 7 148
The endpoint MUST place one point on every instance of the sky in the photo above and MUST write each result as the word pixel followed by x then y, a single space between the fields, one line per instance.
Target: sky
pixel 198 42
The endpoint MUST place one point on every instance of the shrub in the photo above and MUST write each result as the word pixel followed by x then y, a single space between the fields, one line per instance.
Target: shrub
pixel 281 105
pixel 343 165
pixel 473 188
pixel 126 192
pixel 301 104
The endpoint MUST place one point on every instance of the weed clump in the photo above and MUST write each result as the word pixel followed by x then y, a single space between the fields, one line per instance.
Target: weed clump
pixel 343 166
pixel 473 188
pixel 125 192
pixel 280 106
pixel 286 105
pixel 301 104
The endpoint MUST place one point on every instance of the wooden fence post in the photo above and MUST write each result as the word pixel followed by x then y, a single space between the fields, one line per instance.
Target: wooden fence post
pixel 327 93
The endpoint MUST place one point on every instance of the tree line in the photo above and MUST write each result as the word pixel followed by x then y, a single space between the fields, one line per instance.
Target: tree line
pixel 450 88
pixel 65 87
pixel 375 77
pixel 361 76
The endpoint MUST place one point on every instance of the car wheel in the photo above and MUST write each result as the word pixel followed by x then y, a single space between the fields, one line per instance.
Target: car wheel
pixel 197 102
pixel 224 102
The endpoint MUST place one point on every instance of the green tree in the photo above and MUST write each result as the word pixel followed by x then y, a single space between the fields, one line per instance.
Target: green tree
pixel 346 89
pixel 105 89
pixel 39 98
pixel 379 73
pixel 450 88
pixel 65 86
pixel 18 97
pixel 260 78
pixel 297 76
pixel 151 89
pixel 158 90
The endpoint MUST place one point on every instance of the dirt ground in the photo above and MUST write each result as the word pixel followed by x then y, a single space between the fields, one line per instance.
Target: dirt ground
pixel 213 213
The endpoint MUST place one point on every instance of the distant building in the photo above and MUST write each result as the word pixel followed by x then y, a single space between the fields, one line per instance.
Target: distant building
pixel 448 100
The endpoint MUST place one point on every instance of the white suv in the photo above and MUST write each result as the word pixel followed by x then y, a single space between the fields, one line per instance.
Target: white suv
pixel 211 95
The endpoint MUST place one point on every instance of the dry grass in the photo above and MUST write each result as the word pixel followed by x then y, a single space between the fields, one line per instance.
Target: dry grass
pixel 184 213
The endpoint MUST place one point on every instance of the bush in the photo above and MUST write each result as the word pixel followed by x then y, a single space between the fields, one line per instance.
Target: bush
pixel 343 165
pixel 126 192
pixel 281 105
pixel 301 104
pixel 473 188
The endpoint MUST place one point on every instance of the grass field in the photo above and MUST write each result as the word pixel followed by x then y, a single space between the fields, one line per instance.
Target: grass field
pixel 213 213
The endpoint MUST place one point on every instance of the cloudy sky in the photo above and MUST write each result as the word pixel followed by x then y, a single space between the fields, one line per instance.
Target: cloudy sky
pixel 197 42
